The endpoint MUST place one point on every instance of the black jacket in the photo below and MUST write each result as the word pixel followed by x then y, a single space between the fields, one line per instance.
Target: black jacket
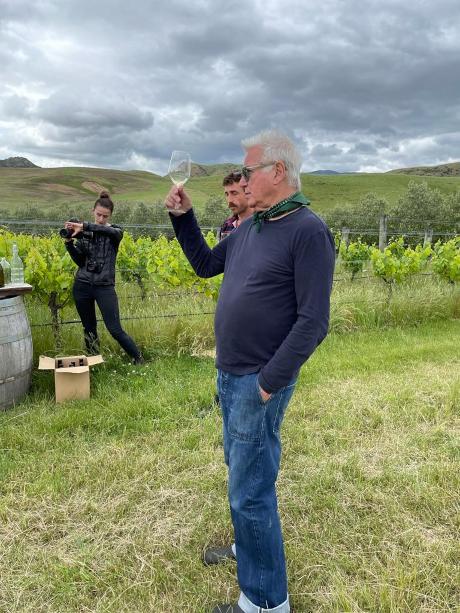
pixel 95 253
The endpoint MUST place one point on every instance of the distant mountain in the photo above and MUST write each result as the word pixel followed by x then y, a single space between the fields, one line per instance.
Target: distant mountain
pixel 442 170
pixel 17 162
pixel 211 170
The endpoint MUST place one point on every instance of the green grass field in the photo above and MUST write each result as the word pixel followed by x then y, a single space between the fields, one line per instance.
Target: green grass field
pixel 179 321
pixel 47 188
pixel 107 504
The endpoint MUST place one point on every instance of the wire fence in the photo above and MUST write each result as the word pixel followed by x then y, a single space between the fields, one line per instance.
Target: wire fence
pixel 53 223
pixel 197 294
pixel 414 233
pixel 166 228
pixel 128 318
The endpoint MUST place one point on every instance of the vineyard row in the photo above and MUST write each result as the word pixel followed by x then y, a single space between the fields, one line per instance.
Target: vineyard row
pixel 161 262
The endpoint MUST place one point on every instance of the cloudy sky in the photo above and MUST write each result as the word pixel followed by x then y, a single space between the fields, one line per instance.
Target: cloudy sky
pixel 360 85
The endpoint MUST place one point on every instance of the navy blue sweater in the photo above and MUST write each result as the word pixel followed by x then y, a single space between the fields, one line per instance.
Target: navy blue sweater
pixel 273 307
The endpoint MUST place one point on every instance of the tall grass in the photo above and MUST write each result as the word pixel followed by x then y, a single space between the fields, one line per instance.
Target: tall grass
pixel 163 323
pixel 169 322
pixel 366 304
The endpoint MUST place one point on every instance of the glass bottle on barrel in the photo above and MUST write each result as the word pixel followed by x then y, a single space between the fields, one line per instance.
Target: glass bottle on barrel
pixel 17 267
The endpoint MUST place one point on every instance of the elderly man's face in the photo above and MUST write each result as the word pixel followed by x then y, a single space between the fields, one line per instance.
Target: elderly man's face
pixel 259 188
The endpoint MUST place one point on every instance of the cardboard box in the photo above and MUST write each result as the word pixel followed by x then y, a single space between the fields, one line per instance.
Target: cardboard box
pixel 71 375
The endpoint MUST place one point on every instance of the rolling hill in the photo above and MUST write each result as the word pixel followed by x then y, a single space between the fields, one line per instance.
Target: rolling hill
pixel 49 187
pixel 209 170
pixel 442 170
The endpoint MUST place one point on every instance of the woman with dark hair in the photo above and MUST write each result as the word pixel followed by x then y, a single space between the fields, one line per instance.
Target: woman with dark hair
pixel 95 253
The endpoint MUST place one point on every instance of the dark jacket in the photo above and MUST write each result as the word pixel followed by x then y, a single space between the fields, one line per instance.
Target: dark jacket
pixel 95 253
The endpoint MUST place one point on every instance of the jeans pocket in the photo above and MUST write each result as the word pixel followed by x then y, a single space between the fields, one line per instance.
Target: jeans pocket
pixel 246 411
pixel 283 397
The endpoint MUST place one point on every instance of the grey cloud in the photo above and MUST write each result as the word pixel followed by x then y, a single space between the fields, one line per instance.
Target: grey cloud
pixel 366 148
pixel 95 111
pixel 325 151
pixel 102 82
pixel 13 106
pixel 11 10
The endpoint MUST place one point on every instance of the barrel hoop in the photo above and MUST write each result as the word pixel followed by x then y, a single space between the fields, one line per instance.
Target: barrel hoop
pixel 20 375
pixel 13 310
pixel 11 339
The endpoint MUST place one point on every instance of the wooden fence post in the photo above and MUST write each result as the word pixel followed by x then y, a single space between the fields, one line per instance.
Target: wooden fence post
pixel 428 237
pixel 383 227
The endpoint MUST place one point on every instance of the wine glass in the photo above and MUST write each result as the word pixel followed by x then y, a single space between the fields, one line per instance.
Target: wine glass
pixel 179 167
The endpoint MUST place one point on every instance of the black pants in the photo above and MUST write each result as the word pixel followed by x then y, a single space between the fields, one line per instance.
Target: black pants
pixel 86 296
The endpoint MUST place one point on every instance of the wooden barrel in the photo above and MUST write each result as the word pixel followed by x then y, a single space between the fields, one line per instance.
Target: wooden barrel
pixel 16 353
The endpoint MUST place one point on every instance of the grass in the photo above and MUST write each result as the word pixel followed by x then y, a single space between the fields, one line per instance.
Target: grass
pixel 326 192
pixel 369 303
pixel 50 187
pixel 47 188
pixel 106 504
pixel 163 323
pixel 169 322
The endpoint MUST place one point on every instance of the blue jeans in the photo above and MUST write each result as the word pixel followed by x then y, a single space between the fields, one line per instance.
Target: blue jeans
pixel 252 450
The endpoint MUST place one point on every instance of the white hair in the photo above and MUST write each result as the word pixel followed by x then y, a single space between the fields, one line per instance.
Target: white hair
pixel 277 146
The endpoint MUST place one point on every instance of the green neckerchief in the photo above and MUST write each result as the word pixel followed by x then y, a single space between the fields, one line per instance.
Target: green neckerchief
pixel 294 201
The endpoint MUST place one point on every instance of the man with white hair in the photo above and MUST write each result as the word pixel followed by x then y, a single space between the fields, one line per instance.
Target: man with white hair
pixel 272 313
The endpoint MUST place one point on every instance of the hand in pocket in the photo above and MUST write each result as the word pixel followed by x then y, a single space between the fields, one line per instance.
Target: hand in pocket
pixel 264 395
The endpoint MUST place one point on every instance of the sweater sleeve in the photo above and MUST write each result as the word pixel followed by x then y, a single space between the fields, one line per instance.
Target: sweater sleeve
pixel 206 262
pixel 75 253
pixel 314 261
pixel 115 233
